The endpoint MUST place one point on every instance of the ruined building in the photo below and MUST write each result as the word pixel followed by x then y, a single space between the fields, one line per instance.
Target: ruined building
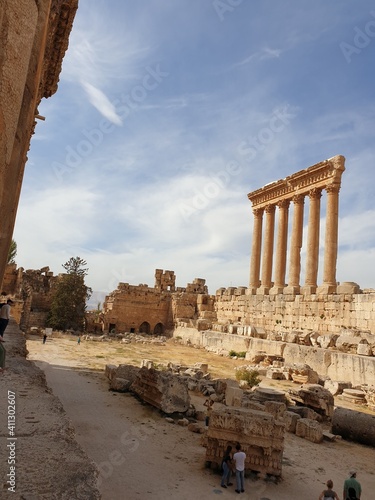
pixel 34 39
pixel 143 309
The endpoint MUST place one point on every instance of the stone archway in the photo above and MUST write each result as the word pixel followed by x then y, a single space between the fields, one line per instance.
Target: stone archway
pixel 145 328
pixel 159 329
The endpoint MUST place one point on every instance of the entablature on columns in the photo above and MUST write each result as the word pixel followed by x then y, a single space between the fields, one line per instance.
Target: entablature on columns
pixel 323 175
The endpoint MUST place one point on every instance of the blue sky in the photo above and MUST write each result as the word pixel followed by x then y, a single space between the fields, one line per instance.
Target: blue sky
pixel 169 112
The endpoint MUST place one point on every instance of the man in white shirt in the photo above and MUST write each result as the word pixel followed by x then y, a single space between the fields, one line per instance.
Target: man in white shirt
pixel 4 316
pixel 239 459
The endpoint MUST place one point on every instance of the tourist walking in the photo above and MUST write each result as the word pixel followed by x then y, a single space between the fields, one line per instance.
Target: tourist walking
pixel 239 461
pixel 5 316
pixel 328 494
pixel 227 466
pixel 352 488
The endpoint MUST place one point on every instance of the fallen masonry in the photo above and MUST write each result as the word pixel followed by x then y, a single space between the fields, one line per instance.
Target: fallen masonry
pixel 260 434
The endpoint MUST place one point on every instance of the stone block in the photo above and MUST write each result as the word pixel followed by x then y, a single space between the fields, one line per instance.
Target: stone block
pixel 161 389
pixel 260 435
pixel 326 341
pixel 128 372
pixel 110 371
pixel 364 349
pixel 310 430
pixel 275 374
pixel 275 408
pixel 336 388
pixel 290 419
pixel 119 385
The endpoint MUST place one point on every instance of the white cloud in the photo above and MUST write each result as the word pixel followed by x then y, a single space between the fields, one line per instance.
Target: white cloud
pixel 101 102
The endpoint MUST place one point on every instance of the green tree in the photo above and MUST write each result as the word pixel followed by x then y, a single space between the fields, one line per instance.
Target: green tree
pixel 69 298
pixel 12 253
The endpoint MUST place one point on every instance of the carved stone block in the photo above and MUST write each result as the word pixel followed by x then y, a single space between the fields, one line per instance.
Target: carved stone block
pixel 260 435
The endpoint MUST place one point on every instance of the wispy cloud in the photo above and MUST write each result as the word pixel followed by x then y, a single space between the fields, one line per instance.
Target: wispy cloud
pixel 101 102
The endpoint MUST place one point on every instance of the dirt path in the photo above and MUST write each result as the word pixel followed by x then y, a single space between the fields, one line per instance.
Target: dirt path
pixel 141 456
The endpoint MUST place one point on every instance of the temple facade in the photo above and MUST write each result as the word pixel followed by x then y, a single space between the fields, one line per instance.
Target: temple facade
pixel 269 261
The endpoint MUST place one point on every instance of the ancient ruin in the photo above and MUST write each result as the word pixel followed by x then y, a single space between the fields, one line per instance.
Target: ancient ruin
pixel 295 188
pixel 34 39
pixel 261 436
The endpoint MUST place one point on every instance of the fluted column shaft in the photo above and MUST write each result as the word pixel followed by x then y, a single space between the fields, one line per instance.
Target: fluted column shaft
pixel 256 249
pixel 331 237
pixel 312 259
pixel 268 249
pixel 296 245
pixel 281 246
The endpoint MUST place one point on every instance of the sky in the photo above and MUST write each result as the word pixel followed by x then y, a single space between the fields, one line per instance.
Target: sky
pixel 169 112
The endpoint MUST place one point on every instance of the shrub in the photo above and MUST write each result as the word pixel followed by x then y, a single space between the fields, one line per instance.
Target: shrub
pixel 241 354
pixel 250 376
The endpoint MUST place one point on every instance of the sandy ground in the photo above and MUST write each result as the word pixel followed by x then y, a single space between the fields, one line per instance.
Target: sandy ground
pixel 140 455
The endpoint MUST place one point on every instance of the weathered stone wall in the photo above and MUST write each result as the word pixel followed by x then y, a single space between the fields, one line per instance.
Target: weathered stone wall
pixel 157 310
pixel 129 307
pixel 321 313
pixel 336 365
pixel 34 38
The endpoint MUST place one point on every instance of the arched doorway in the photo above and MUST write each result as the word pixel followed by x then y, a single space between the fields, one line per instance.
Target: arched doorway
pixel 158 329
pixel 144 328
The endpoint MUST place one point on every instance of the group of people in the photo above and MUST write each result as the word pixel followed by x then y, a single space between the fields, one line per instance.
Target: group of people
pixel 4 320
pixel 234 464
pixel 352 489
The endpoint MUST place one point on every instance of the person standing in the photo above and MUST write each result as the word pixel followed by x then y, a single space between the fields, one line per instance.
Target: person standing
pixel 329 493
pixel 226 466
pixel 5 316
pixel 352 488
pixel 239 460
pixel 209 404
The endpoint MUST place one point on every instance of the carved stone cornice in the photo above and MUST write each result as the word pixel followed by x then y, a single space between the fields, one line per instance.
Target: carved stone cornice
pixel 59 27
pixel 320 176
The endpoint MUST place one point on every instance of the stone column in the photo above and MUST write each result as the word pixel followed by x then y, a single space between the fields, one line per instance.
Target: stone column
pixel 267 251
pixel 331 238
pixel 281 248
pixel 255 250
pixel 312 260
pixel 293 287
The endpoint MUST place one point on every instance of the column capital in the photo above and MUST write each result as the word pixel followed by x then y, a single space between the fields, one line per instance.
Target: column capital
pixel 283 203
pixel 258 212
pixel 298 199
pixel 315 194
pixel 270 209
pixel 333 188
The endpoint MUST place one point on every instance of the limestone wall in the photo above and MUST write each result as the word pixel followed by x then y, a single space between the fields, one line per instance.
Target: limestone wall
pixel 336 365
pixel 321 313
pixel 130 307
pixel 34 38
